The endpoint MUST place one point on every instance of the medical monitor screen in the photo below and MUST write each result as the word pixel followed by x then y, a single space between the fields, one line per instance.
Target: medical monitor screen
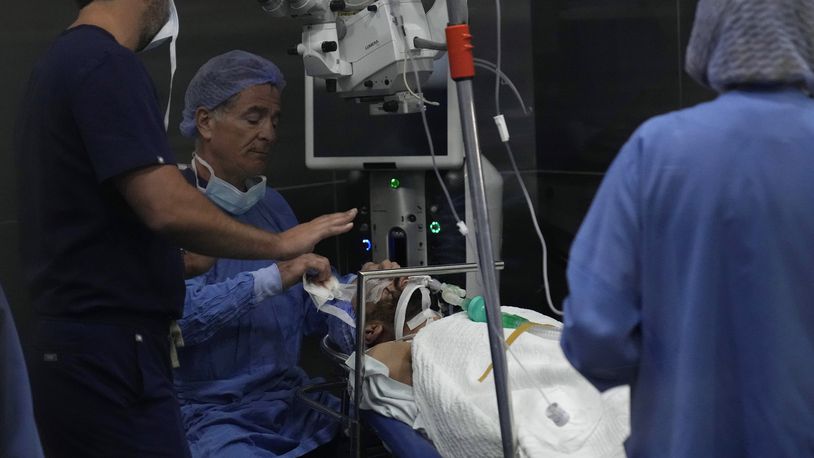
pixel 344 135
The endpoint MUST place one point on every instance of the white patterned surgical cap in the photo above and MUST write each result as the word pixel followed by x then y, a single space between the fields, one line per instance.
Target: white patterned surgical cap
pixel 752 42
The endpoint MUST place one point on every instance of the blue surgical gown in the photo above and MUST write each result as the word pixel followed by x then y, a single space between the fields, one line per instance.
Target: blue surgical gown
pixel 692 279
pixel 239 372
pixel 18 432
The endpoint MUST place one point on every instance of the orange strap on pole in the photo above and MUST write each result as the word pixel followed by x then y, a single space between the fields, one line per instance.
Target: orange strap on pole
pixel 459 47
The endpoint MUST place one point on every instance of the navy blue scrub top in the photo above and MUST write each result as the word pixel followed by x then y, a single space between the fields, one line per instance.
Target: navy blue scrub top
pixel 91 113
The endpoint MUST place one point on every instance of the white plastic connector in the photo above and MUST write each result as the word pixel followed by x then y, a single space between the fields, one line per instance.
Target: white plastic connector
pixel 500 122
pixel 557 414
pixel 452 294
pixel 462 228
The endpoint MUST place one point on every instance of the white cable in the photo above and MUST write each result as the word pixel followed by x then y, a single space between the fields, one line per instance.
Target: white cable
pixel 498 72
pixel 482 63
pixel 533 215
pixel 462 229
pixel 420 98
pixel 554 411
pixel 499 56
pixel 528 374
pixel 408 56
pixel 461 225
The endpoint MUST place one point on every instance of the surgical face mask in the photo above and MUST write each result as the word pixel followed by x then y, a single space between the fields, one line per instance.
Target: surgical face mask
pixel 169 31
pixel 226 196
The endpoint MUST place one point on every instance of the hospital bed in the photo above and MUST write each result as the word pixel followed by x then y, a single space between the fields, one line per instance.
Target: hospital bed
pixel 400 439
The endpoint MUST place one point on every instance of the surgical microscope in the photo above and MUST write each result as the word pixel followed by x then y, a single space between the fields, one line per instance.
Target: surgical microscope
pixel 377 54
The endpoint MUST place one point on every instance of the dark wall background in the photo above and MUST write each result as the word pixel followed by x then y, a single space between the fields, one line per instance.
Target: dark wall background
pixel 601 68
pixel 592 70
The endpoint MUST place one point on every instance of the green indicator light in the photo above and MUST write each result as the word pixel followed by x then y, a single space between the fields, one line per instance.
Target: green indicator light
pixel 395 183
pixel 435 227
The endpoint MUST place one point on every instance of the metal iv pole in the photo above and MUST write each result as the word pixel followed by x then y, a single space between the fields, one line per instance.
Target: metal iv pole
pixel 462 70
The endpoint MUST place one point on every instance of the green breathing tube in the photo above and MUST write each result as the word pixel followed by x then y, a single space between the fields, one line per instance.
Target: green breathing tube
pixel 475 308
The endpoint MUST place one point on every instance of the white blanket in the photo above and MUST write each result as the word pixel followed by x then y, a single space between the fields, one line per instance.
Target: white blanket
pixel 459 414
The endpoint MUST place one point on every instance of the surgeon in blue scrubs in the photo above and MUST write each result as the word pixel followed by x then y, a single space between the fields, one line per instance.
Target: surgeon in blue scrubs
pixel 242 329
pixel 692 276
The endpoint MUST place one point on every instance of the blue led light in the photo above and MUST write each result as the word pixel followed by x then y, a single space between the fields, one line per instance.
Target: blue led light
pixel 366 244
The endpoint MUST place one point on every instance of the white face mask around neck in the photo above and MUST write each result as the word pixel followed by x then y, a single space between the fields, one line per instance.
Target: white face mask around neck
pixel 169 31
pixel 226 196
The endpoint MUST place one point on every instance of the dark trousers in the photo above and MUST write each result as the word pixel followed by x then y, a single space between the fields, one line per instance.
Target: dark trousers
pixel 104 390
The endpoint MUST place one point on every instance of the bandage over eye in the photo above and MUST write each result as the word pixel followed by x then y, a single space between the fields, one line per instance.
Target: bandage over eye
pixel 425 284
pixel 424 316
pixel 375 289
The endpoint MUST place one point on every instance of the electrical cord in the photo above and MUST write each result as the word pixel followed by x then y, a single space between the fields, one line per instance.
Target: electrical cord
pixel 418 97
pixel 485 64
pixel 458 222
pixel 554 412
pixel 461 225
pixel 504 136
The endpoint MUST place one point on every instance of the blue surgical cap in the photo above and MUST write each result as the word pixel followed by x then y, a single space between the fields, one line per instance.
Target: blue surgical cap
pixel 752 42
pixel 222 77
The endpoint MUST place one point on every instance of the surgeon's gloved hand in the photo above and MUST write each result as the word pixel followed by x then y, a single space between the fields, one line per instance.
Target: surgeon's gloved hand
pixel 316 266
pixel 302 238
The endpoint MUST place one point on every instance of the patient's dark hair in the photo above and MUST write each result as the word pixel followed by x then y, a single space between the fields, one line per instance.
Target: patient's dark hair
pixel 384 309
pixel 82 3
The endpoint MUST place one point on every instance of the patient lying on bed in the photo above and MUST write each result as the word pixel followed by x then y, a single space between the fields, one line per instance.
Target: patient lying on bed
pixel 432 383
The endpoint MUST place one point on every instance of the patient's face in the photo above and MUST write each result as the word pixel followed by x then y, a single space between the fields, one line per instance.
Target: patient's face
pixel 379 314
pixel 391 294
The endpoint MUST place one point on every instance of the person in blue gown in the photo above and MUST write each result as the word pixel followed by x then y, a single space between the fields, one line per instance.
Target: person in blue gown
pixel 242 329
pixel 691 277
pixel 18 432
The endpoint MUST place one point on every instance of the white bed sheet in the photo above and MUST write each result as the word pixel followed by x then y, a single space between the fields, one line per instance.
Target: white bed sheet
pixel 459 414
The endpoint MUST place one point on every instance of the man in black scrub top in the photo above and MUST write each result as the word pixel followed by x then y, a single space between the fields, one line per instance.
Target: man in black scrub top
pixel 104 210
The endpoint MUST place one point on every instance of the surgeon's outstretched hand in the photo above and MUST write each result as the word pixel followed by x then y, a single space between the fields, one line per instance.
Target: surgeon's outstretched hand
pixel 315 265
pixel 304 237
